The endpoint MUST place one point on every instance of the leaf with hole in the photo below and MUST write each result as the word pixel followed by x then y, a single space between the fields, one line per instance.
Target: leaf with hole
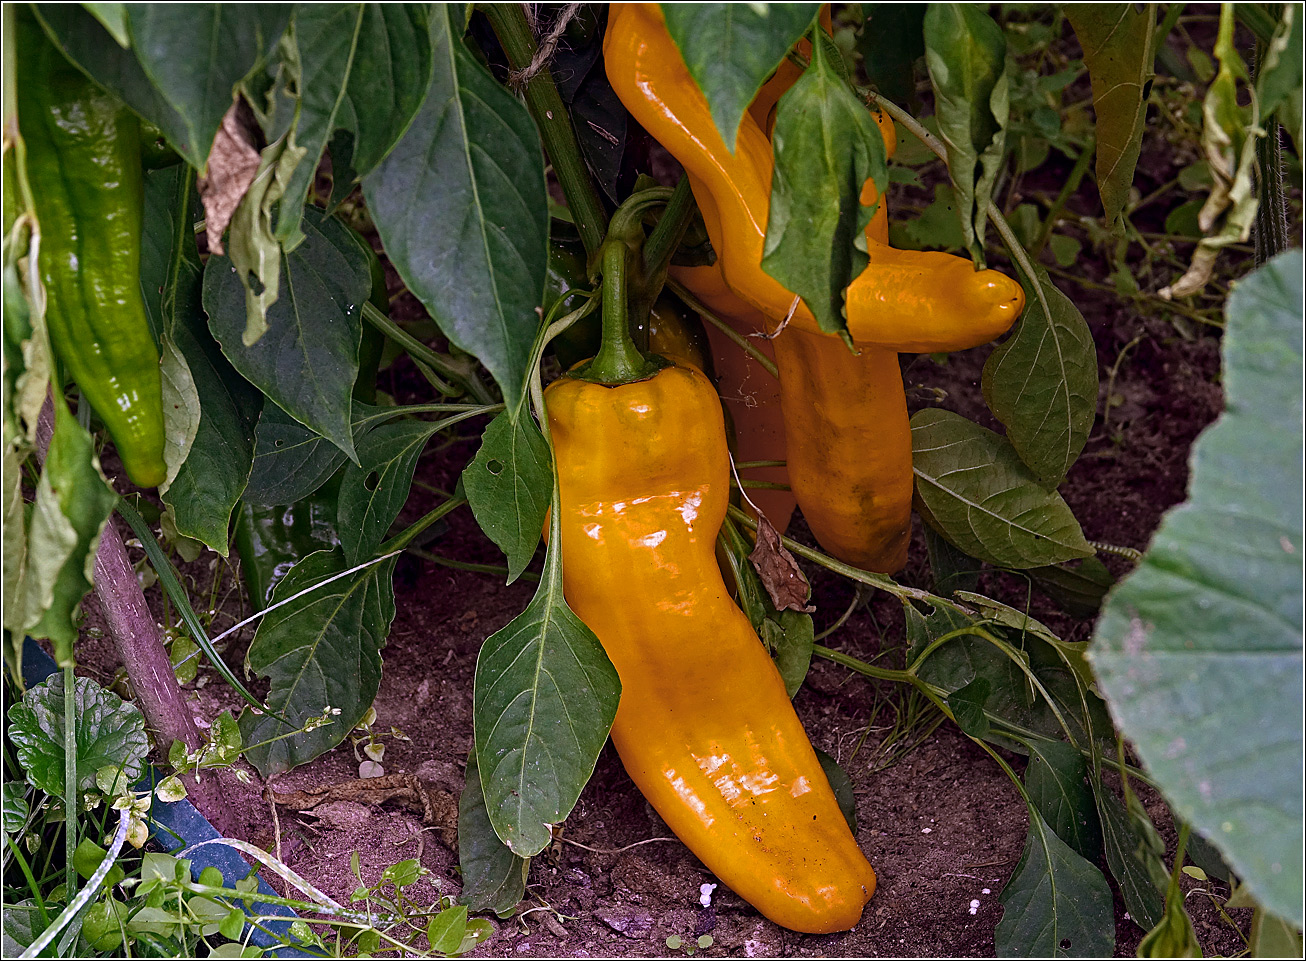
pixel 508 485
pixel 972 487
pixel 1199 650
pixel 292 461
pixel 1056 905
pixel 730 49
pixel 321 650
pixel 461 207
pixel 1041 383
pixel 108 732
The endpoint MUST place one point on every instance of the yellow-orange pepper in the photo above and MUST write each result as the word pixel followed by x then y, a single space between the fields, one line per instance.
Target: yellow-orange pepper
pixel 851 466
pixel 704 727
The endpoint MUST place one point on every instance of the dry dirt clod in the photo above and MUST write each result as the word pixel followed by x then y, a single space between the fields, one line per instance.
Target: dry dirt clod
pixel 437 807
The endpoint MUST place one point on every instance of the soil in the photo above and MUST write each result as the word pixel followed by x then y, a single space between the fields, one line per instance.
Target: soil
pixel 938 819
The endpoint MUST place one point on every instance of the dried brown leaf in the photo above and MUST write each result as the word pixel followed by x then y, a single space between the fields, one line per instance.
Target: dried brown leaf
pixel 779 572
pixel 233 162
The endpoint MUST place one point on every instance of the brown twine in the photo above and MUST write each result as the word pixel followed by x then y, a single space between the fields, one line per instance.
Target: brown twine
pixel 519 78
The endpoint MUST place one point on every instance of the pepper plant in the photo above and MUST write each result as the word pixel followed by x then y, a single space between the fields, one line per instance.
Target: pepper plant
pixel 193 342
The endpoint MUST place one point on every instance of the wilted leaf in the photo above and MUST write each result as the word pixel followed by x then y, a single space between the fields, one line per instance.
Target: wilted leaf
pixel 232 163
pixel 781 576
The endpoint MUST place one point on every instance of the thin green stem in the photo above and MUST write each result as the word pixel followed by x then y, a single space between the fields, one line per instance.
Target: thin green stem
pixel 696 305
pixel 1067 191
pixel 32 884
pixel 666 235
pixel 755 464
pixel 464 377
pixel 550 114
pixel 405 537
pixel 467 566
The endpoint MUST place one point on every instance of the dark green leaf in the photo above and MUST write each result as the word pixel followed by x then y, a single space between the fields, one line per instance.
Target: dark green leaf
pixel 936 228
pixel 16 808
pixel 1199 650
pixel 1078 587
pixel 1042 382
pixel 366 67
pixel 110 732
pixel 967 706
pixel 1117 42
pixel 494 879
pixel 373 494
pixel 1132 855
pixel 890 45
pixel 1057 782
pixel 113 17
pixel 1056 904
pixel 291 461
pixel 790 636
pixel 732 48
pixel 600 121
pixel 827 145
pixel 1205 855
pixel 842 786
pixel 307 361
pixel 952 568
pixel 508 484
pixel 321 650
pixel 71 507
pixel 461 207
pixel 196 54
pixel 967 57
pixel 973 489
pixel 544 699
pixel 210 481
pixel 1274 937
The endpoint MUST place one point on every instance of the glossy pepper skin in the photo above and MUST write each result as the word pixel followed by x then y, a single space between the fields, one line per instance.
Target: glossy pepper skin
pixel 84 165
pixel 704 726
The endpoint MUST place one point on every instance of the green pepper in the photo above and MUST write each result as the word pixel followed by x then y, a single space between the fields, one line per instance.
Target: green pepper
pixel 84 165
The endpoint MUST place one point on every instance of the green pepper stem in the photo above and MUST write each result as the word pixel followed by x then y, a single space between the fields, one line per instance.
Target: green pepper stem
pixel 619 360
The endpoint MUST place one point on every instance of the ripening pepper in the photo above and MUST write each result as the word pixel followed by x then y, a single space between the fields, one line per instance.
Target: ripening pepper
pixel 84 166
pixel 851 469
pixel 704 727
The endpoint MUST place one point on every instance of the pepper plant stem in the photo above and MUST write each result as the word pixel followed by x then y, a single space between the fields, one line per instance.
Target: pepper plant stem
pixel 618 360
pixel 423 354
pixel 550 114
pixel 665 236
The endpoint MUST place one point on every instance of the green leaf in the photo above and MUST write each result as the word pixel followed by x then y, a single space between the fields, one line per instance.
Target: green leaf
pixel 790 636
pixel 509 483
pixel 113 17
pixel 967 706
pixel 730 49
pixel 842 786
pixel 1133 853
pixel 373 494
pixel 89 856
pixel 952 569
pixel 16 808
pixel 73 502
pixel 890 45
pixel 181 408
pixel 1056 904
pixel 1280 71
pixel 1273 937
pixel 967 57
pixel 974 490
pixel 307 362
pixel 1078 587
pixel 321 650
pixel 292 461
pixel 403 873
pixel 196 54
pixel 445 932
pixel 827 145
pixel 1041 383
pixel 1058 785
pixel 1117 41
pixel 366 67
pixel 494 879
pixel 936 228
pixel 544 698
pixel 1173 936
pixel 210 480
pixel 461 207
pixel 1199 650
pixel 109 732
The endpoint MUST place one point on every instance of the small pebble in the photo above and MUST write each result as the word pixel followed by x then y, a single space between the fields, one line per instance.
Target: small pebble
pixel 705 894
pixel 974 906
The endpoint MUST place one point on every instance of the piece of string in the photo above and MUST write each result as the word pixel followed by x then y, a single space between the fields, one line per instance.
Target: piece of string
pixel 519 78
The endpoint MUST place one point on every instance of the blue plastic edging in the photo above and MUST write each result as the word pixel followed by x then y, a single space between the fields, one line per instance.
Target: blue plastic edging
pixel 180 819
